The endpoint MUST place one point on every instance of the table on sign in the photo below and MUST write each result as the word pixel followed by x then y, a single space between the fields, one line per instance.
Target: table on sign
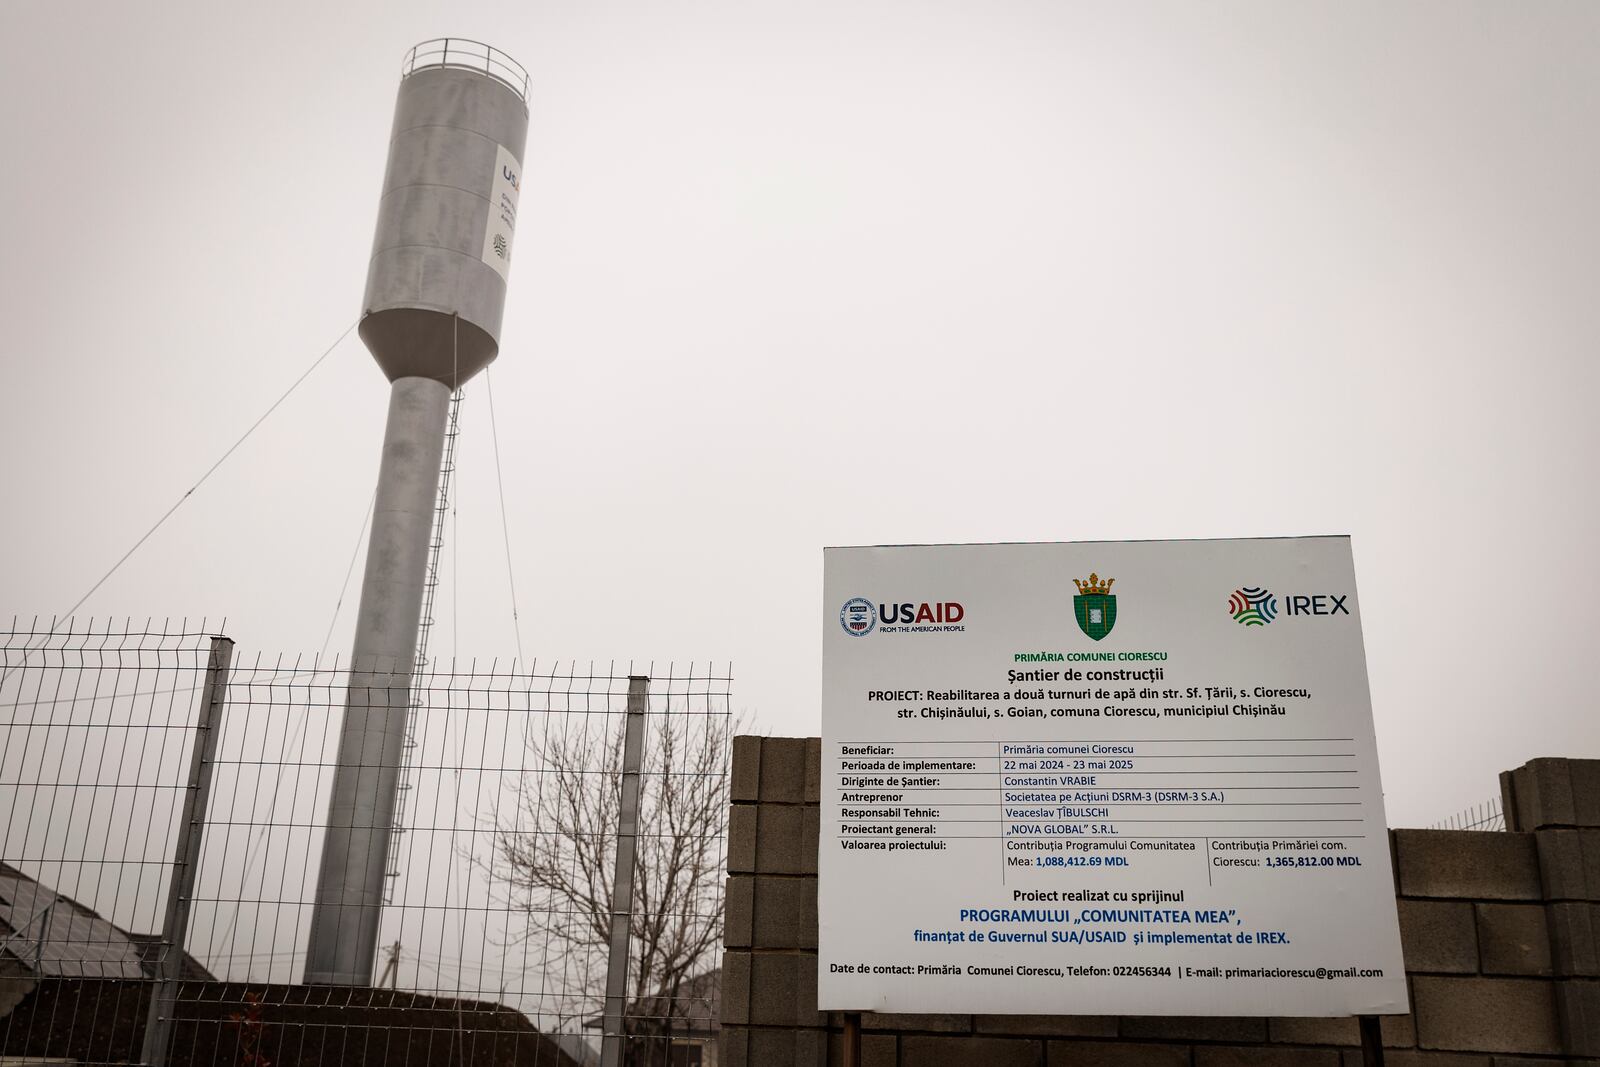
pixel 1057 798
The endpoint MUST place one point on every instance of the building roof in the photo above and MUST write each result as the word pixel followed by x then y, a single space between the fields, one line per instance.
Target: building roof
pixel 48 934
pixel 696 1010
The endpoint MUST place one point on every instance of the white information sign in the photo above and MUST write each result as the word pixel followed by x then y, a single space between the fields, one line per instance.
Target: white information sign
pixel 1117 778
pixel 504 189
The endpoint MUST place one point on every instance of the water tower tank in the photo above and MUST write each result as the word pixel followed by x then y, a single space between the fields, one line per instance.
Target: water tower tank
pixel 436 287
pixel 436 284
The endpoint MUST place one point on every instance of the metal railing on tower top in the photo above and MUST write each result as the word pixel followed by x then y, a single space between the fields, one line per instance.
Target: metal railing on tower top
pixel 461 53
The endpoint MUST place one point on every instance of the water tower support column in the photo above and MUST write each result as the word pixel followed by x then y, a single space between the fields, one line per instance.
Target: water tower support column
pixel 344 924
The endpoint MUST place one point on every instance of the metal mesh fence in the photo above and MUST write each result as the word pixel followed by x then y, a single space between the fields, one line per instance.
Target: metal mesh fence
pixel 494 937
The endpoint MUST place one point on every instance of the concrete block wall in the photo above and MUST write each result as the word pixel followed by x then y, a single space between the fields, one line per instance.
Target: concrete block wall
pixel 1501 932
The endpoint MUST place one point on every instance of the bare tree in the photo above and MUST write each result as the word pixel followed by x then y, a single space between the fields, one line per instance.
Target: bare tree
pixel 556 849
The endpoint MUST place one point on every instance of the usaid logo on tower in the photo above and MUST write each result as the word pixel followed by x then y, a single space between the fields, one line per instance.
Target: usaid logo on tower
pixel 505 189
pixel 860 617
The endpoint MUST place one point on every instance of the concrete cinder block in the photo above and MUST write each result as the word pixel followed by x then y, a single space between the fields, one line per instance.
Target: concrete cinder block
pixel 887 1020
pixel 810 832
pixel 1569 864
pixel 813 770
pixel 785 911
pixel 1552 792
pixel 1116 1054
pixel 811 1048
pixel 735 988
pixel 1574 939
pixel 921 1050
pixel 783 990
pixel 733 1047
pixel 780 840
pixel 759 1051
pixel 744 782
pixel 1578 1008
pixel 742 819
pixel 1513 939
pixel 1194 1028
pixel 1438 937
pixel 1397 1031
pixel 788 1048
pixel 877 1050
pixel 738 911
pixel 1516 1015
pixel 1585 782
pixel 1467 865
pixel 783 770
pixel 1256 1056
pixel 1419 1058
pixel 1047 1025
pixel 1344 1032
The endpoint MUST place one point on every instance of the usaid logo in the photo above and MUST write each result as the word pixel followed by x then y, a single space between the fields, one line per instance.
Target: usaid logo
pixel 858 617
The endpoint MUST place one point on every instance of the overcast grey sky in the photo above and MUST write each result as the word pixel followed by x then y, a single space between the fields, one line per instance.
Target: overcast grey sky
pixel 840 273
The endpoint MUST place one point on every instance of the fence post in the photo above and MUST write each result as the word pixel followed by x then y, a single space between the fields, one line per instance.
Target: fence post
pixel 44 933
pixel 185 863
pixel 612 1036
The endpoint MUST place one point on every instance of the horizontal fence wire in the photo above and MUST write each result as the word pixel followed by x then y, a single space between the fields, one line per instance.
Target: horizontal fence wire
pixel 493 948
pixel 1485 816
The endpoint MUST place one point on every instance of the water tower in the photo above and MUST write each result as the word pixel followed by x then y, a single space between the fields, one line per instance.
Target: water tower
pixel 436 287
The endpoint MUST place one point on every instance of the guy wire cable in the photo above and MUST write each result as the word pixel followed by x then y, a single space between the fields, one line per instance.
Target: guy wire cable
pixel 505 528
pixel 209 472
